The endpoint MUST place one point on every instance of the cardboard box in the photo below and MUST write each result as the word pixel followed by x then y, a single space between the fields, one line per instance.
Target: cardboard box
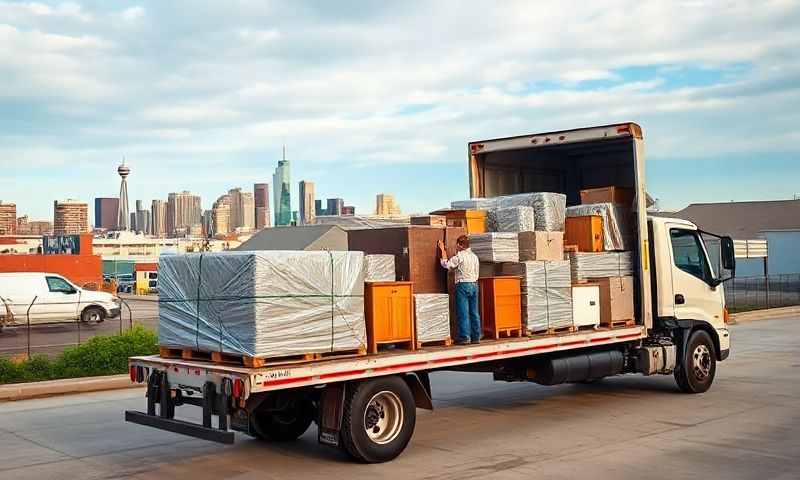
pixel 616 299
pixel 430 220
pixel 619 195
pixel 586 232
pixel 541 246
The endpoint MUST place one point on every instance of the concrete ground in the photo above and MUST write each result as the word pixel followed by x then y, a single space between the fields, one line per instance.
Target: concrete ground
pixel 53 338
pixel 746 427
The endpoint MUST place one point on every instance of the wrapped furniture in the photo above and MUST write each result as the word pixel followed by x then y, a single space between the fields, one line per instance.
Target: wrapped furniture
pixel 548 207
pixel 616 300
pixel 616 223
pixel 512 219
pixel 379 268
pixel 546 293
pixel 432 312
pixel 495 247
pixel 262 303
pixel 588 265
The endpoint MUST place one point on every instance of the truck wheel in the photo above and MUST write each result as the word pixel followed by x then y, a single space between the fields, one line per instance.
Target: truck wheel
pixel 284 425
pixel 379 418
pixel 93 315
pixel 695 371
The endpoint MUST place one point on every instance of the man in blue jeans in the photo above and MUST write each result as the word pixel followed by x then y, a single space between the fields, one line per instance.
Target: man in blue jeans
pixel 465 264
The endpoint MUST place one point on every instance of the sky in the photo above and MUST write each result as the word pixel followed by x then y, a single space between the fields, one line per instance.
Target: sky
pixel 377 96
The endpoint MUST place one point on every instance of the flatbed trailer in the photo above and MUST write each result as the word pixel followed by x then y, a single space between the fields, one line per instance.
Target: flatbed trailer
pixel 367 404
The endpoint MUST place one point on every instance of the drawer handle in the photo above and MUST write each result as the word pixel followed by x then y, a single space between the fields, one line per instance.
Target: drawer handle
pixel 591 303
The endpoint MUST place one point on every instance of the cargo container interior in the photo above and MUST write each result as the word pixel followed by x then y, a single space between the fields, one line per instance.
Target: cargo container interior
pixel 565 168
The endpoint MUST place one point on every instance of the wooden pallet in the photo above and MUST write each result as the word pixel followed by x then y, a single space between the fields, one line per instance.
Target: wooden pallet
pixel 587 328
pixel 505 333
pixel 619 323
pixel 436 343
pixel 373 348
pixel 254 362
pixel 555 331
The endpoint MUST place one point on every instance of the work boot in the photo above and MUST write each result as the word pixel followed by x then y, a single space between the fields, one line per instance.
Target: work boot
pixel 476 342
pixel 462 342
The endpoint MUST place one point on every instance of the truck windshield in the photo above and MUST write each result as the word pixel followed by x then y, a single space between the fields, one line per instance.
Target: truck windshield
pixel 689 255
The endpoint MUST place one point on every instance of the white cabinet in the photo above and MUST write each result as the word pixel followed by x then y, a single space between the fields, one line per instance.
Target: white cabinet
pixel 585 305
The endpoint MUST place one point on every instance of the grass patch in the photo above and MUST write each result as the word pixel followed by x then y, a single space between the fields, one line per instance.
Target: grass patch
pixel 101 355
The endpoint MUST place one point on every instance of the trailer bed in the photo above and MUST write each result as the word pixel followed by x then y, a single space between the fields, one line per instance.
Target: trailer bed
pixel 193 374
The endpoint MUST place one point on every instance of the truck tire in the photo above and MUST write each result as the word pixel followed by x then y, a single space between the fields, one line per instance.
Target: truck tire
pixel 379 419
pixel 93 315
pixel 285 425
pixel 696 370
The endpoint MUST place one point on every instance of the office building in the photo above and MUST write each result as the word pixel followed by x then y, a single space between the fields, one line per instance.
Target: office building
pixel 221 216
pixel 33 227
pixel 158 218
pixel 243 210
pixel 385 205
pixel 334 206
pixel 307 203
pixel 281 187
pixel 8 218
pixel 123 219
pixel 105 212
pixel 261 199
pixel 183 213
pixel 348 210
pixel 208 223
pixel 143 221
pixel 70 217
pixel 318 210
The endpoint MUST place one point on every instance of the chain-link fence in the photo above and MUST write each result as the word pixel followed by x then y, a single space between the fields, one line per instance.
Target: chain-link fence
pixel 754 293
pixel 33 328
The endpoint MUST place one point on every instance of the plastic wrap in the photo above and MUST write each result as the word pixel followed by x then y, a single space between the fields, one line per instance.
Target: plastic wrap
pixel 433 316
pixel 585 265
pixel 616 223
pixel 474 204
pixel 379 268
pixel 264 303
pixel 549 208
pixel 546 293
pixel 495 247
pixel 513 219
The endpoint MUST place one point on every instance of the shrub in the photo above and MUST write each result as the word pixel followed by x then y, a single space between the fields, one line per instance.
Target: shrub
pixel 101 355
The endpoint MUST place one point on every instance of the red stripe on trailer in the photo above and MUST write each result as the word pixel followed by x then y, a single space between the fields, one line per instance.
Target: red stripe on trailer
pixel 601 339
pixel 484 355
pixel 285 381
pixel 402 365
pixel 637 335
pixel 577 342
pixel 450 359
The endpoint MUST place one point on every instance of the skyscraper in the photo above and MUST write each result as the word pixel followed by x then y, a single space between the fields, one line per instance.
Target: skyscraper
pixel 242 210
pixel 385 205
pixel 261 199
pixel 208 223
pixel 158 218
pixel 123 218
pixel 8 218
pixel 183 213
pixel 221 215
pixel 335 206
pixel 70 217
pixel 318 210
pixel 143 219
pixel 307 211
pixel 282 198
pixel 348 210
pixel 106 210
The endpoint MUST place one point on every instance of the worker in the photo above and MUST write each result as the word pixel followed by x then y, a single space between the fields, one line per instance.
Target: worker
pixel 465 264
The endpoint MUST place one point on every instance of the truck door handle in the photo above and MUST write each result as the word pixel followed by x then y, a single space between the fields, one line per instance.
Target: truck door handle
pixel 679 300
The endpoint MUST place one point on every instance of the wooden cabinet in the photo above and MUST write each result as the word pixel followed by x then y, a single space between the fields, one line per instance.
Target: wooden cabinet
pixel 586 232
pixel 585 305
pixel 474 221
pixel 388 308
pixel 500 307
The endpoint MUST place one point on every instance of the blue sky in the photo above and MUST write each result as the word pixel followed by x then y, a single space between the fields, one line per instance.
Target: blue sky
pixel 376 97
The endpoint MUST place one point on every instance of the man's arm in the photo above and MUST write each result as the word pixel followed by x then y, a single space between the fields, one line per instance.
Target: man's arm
pixel 452 263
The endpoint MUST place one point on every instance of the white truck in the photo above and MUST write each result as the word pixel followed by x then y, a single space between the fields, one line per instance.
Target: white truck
pixel 367 405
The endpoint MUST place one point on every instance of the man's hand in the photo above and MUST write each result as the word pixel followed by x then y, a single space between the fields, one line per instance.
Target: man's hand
pixel 442 249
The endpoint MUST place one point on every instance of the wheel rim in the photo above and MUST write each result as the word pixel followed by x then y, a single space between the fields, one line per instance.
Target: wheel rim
pixel 93 317
pixel 701 362
pixel 383 417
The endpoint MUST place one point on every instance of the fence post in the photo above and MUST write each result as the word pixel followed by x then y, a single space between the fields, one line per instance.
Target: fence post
pixel 28 314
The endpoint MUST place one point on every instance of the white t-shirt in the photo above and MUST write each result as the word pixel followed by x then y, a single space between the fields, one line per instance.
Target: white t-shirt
pixel 466 265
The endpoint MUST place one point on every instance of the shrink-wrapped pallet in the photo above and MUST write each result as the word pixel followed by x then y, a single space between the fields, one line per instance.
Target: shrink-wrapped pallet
pixel 549 208
pixel 512 219
pixel 546 294
pixel 616 223
pixel 379 268
pixel 474 204
pixel 495 247
pixel 262 303
pixel 432 316
pixel 586 265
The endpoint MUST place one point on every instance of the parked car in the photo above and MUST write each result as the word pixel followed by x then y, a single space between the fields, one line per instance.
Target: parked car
pixel 51 298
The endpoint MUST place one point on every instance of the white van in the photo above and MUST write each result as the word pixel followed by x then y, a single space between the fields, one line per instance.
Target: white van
pixel 56 300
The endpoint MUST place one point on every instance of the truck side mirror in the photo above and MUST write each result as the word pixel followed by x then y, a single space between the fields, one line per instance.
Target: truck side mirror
pixel 728 255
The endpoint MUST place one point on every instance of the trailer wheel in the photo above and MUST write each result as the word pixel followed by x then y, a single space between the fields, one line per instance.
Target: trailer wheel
pixel 696 370
pixel 284 425
pixel 379 419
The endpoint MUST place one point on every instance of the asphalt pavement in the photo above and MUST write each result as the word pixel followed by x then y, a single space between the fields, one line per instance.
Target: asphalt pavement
pixel 631 427
pixel 53 338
